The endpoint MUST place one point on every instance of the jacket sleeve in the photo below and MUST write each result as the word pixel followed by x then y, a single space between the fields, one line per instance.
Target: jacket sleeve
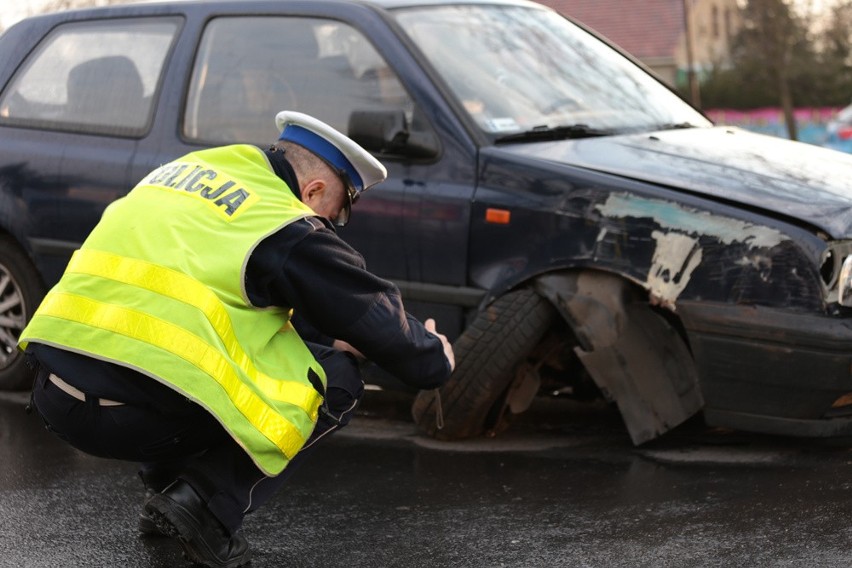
pixel 307 267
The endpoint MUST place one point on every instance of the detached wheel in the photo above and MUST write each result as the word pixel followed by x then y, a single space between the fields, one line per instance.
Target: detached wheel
pixel 20 292
pixel 487 355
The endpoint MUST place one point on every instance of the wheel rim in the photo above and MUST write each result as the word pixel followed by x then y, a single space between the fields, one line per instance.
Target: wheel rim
pixel 12 311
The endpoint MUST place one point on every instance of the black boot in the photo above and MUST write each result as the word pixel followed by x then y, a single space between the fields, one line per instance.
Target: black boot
pixel 155 479
pixel 180 512
pixel 147 527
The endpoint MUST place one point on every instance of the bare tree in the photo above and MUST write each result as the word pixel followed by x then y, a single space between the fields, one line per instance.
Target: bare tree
pixel 836 53
pixel 805 59
pixel 773 48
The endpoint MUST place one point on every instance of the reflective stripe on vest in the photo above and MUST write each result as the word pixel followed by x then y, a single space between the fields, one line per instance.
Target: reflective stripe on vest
pixel 180 342
pixel 172 338
pixel 181 287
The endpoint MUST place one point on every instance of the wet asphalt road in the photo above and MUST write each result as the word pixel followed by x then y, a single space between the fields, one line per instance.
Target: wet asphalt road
pixel 565 489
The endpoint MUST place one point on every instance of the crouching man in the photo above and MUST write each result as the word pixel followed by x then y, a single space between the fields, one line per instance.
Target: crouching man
pixel 210 328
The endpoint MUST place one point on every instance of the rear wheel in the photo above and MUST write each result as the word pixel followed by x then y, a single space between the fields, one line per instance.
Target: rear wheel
pixel 487 354
pixel 20 292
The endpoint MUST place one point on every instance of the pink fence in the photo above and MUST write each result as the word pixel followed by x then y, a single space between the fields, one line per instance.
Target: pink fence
pixel 811 122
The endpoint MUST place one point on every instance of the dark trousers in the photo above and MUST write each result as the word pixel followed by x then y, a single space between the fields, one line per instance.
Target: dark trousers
pixel 174 438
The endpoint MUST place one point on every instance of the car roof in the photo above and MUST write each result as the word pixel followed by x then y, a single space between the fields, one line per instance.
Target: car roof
pixel 382 3
pixel 386 4
pixel 147 7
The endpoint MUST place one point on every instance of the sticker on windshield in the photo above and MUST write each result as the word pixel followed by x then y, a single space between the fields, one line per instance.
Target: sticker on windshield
pixel 501 124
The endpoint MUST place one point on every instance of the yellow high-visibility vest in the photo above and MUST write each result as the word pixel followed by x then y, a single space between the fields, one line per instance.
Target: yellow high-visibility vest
pixel 158 286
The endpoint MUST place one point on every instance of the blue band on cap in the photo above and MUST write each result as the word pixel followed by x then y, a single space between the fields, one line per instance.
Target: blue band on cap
pixel 323 148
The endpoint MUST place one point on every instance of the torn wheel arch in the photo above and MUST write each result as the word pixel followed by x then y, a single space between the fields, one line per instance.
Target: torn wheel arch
pixel 636 355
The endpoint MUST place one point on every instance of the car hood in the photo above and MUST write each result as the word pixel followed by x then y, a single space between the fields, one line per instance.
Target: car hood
pixel 793 179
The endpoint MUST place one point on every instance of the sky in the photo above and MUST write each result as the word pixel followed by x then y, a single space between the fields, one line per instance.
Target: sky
pixel 13 10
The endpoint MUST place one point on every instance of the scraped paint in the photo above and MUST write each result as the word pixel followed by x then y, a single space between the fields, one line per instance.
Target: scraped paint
pixel 675 258
pixel 689 221
pixel 678 250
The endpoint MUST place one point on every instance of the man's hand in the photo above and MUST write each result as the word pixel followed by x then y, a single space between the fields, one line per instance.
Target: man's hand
pixel 448 349
pixel 341 345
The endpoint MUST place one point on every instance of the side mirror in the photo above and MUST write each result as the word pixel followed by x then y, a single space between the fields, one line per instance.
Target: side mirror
pixel 388 132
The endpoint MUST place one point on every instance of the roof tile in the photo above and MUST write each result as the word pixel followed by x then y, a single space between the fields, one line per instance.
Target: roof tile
pixel 643 28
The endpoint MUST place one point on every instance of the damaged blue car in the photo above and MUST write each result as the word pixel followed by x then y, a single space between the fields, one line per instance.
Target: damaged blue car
pixel 573 224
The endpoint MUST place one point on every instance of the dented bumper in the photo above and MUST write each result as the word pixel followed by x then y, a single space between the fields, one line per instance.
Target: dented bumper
pixel 772 370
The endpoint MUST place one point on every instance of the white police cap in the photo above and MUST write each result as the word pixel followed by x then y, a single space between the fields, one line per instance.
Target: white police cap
pixel 344 154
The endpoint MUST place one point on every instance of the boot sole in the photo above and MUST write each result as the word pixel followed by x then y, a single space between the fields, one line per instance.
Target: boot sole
pixel 174 521
pixel 148 528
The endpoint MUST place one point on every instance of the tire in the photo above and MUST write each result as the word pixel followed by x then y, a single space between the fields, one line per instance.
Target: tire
pixel 21 291
pixel 487 354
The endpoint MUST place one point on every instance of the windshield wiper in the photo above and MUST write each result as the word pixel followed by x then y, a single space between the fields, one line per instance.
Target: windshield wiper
pixel 676 126
pixel 544 132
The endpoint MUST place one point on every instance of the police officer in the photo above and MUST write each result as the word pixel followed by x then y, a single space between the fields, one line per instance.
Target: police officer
pixel 210 329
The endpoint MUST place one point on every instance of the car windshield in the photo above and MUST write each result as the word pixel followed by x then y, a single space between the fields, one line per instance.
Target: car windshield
pixel 525 70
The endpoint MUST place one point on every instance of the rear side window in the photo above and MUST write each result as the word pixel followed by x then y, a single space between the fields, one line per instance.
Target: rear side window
pixel 95 77
pixel 250 68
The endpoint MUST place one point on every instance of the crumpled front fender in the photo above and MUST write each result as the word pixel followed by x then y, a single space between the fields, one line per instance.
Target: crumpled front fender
pixel 634 355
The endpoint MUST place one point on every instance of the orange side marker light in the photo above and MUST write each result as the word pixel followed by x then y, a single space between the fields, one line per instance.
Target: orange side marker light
pixel 498 216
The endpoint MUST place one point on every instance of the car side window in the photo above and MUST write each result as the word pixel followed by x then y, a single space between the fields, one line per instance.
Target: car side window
pixel 250 68
pixel 95 77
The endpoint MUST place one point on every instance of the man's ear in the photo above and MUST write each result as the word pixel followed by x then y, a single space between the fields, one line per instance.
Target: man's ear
pixel 313 191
